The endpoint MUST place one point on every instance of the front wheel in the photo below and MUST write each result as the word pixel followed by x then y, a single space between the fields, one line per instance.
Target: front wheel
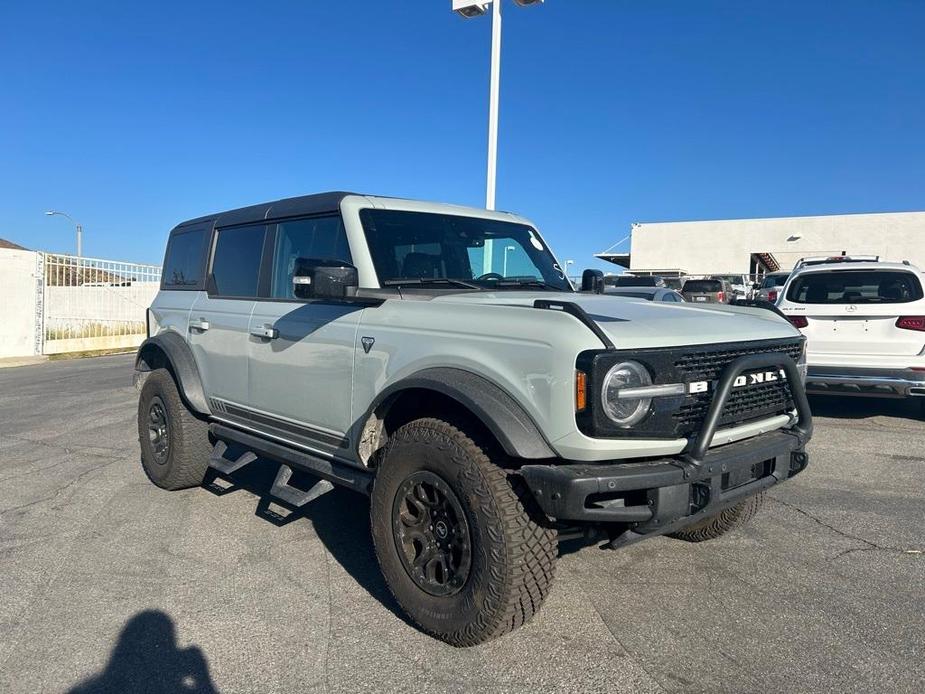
pixel 721 523
pixel 460 543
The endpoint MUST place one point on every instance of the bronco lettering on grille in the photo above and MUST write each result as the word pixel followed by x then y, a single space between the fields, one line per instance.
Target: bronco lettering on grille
pixel 752 379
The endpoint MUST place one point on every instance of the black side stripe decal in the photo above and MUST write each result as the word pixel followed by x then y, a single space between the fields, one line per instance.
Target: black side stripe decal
pixel 282 425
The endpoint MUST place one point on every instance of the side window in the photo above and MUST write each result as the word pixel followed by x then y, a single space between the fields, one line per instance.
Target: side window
pixel 236 260
pixel 185 259
pixel 319 238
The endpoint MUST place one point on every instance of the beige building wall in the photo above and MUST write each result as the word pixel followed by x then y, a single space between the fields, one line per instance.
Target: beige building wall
pixel 726 245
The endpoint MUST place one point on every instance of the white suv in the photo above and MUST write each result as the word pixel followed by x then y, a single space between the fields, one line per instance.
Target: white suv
pixel 865 324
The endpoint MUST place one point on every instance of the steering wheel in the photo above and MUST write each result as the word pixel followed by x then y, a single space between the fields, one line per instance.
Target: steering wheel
pixel 490 276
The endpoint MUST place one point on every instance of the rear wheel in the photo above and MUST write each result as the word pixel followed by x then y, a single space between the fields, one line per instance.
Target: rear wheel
pixel 721 523
pixel 174 442
pixel 460 543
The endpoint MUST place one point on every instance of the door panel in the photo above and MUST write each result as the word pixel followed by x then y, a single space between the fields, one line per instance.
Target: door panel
pixel 218 338
pixel 301 367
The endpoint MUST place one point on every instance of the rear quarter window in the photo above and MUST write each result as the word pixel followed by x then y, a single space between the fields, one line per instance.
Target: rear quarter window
pixel 855 287
pixel 185 260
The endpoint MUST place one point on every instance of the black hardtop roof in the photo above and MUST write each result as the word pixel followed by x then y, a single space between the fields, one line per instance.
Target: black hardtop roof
pixel 286 207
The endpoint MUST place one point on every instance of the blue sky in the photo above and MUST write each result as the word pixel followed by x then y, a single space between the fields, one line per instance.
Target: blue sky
pixel 134 116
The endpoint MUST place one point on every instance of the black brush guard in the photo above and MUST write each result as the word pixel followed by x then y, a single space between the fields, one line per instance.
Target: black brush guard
pixel 661 496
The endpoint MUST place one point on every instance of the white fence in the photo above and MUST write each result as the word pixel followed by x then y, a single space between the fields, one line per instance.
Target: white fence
pixel 95 304
pixel 62 303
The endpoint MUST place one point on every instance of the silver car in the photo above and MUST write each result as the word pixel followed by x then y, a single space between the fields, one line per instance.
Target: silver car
pixel 436 358
pixel 771 286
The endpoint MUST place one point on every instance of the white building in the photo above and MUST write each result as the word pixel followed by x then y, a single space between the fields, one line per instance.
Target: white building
pixel 760 245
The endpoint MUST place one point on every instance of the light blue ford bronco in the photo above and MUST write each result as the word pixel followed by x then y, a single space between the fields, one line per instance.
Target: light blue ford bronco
pixel 437 359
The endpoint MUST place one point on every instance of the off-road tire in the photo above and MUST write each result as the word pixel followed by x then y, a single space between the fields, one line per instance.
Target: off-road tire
pixel 188 436
pixel 721 523
pixel 513 548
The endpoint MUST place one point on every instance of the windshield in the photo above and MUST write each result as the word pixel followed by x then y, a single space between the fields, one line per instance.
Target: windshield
pixel 855 287
pixel 774 281
pixel 442 250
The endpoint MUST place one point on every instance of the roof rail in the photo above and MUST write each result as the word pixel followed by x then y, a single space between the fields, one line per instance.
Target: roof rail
pixel 821 259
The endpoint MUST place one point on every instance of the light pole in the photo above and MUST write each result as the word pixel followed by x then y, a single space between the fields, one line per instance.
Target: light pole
pixel 80 229
pixel 504 264
pixel 469 9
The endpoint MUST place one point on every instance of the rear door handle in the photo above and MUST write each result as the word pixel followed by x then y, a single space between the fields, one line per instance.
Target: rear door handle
pixel 267 332
pixel 200 324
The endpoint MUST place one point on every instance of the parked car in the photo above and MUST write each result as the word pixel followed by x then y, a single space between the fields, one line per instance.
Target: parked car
pixel 865 324
pixel 635 281
pixel 482 403
pixel 675 283
pixel 739 285
pixel 769 288
pixel 712 291
pixel 647 293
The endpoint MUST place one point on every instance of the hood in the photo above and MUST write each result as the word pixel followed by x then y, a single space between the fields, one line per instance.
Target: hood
pixel 638 324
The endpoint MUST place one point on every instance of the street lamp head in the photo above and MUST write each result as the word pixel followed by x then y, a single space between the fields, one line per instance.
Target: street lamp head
pixel 469 9
pixel 525 3
pixel 51 212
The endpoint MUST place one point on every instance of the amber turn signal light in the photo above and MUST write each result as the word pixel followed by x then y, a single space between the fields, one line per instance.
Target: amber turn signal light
pixel 581 390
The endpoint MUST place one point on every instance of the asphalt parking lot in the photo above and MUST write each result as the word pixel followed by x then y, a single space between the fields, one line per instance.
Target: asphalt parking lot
pixel 109 584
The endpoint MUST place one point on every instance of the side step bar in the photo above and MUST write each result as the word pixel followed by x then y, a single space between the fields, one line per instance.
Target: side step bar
pixel 291 495
pixel 218 461
pixel 332 471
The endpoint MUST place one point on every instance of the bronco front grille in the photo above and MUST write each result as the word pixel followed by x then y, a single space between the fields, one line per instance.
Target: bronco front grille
pixel 744 404
pixel 707 365
pixel 682 416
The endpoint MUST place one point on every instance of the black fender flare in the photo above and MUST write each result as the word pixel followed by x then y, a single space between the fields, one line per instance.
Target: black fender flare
pixel 180 359
pixel 510 424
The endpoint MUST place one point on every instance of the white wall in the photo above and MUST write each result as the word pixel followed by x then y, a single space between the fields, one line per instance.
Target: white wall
pixel 101 303
pixel 726 245
pixel 20 286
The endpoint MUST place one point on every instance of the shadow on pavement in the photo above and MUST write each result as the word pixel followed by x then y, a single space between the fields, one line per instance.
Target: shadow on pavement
pixel 146 659
pixel 856 407
pixel 339 517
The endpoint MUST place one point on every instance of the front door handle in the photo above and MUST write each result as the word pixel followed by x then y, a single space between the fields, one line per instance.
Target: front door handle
pixel 200 324
pixel 268 332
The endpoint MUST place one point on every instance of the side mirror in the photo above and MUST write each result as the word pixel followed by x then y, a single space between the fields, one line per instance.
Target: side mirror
pixel 313 278
pixel 592 281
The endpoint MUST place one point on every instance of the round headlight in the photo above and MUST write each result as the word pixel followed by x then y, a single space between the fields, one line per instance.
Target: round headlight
pixel 623 411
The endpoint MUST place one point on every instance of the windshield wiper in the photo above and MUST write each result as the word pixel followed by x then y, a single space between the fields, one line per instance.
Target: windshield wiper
pixel 422 281
pixel 531 282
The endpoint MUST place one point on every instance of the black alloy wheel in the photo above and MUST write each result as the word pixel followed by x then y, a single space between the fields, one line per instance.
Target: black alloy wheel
pixel 158 431
pixel 432 534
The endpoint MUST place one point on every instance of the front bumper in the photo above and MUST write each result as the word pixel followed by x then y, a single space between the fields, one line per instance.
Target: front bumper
pixel 871 381
pixel 660 496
